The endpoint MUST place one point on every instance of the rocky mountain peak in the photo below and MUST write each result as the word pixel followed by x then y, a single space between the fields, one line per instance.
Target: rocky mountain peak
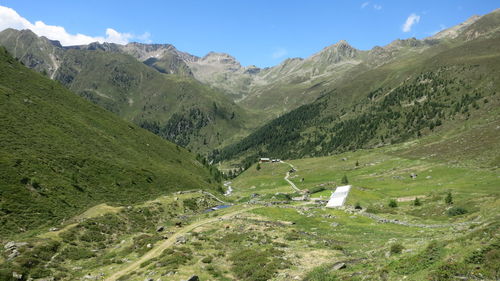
pixel 455 31
pixel 342 43
pixel 252 69
pixel 220 58
pixel 410 42
pixel 335 53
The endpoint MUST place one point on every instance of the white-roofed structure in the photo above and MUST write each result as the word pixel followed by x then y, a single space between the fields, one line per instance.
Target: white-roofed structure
pixel 337 199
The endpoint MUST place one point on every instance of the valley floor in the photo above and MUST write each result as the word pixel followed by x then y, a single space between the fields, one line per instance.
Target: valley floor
pixel 264 235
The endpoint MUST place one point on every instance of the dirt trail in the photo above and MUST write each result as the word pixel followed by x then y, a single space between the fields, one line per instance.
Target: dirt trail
pixel 158 249
pixel 288 175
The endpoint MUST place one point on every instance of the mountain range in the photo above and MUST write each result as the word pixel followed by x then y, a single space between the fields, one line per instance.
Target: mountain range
pixel 212 103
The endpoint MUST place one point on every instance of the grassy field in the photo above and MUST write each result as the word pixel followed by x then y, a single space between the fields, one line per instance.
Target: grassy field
pixel 300 240
pixel 379 176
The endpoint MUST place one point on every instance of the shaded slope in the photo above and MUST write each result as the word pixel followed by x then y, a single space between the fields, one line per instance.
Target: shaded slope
pixel 61 154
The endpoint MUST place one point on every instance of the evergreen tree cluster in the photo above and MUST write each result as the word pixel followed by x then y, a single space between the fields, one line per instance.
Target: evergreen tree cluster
pixel 180 127
pixel 387 115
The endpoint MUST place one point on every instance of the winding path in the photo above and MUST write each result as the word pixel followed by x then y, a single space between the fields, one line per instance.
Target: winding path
pixel 158 249
pixel 288 175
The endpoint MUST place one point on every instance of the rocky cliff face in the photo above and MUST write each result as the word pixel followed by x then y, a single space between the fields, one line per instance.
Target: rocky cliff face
pixel 38 53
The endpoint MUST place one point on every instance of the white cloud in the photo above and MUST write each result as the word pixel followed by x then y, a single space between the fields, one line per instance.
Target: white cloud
pixel 410 21
pixel 279 53
pixel 145 37
pixel 9 18
pixel 375 6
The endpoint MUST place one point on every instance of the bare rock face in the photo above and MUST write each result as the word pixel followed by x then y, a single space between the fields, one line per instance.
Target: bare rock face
pixel 335 53
pixel 12 249
pixel 455 31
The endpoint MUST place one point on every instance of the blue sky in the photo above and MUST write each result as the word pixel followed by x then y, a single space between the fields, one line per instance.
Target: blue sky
pixel 255 32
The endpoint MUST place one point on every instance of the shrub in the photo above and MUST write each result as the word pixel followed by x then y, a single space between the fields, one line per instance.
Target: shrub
pixel 486 260
pixel 338 247
pixel 396 249
pixel 77 253
pixel 344 180
pixel 357 206
pixel 171 259
pixel 429 256
pixel 417 202
pixel 190 204
pixel 448 199
pixel 456 211
pixel 447 271
pixel 257 167
pixel 256 264
pixel 393 203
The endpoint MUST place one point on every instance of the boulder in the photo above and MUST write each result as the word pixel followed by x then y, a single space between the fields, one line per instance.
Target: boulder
pixel 193 278
pixel 16 275
pixel 13 254
pixel 160 228
pixel 10 245
pixel 339 265
pixel 181 240
pixel 13 245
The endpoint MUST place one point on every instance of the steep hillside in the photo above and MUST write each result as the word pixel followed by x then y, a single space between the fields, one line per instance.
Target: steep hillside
pixel 392 103
pixel 61 154
pixel 159 91
pixel 181 109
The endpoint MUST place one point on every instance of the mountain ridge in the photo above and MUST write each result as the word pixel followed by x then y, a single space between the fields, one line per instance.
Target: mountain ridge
pixel 248 90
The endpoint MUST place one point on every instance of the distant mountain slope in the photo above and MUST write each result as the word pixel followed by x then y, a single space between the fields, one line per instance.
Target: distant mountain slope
pixel 298 81
pixel 113 76
pixel 392 103
pixel 61 154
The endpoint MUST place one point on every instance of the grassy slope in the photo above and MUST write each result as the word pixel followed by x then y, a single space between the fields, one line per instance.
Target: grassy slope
pixel 61 154
pixel 356 114
pixel 383 174
pixel 139 93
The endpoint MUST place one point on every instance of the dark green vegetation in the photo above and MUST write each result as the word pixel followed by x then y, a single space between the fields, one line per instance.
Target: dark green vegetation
pixel 174 105
pixel 256 264
pixel 61 154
